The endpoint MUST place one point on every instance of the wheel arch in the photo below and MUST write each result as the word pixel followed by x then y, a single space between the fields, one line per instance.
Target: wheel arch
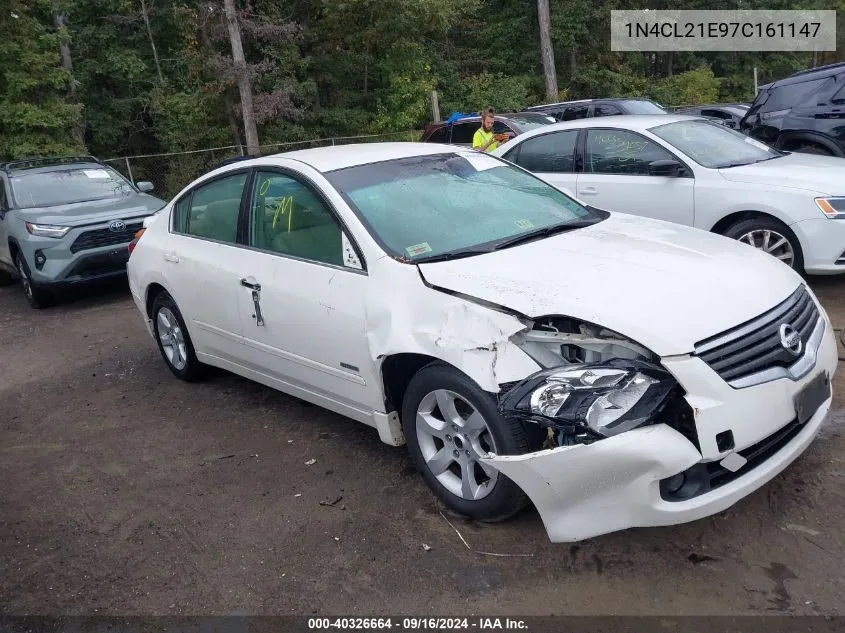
pixel 790 140
pixel 729 220
pixel 397 371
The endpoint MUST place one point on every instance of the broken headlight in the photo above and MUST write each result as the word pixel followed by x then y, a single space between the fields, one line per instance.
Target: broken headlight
pixel 603 399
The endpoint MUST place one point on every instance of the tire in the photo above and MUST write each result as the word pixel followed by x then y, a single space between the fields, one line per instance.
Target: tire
pixel 445 457
pixel 753 232
pixel 37 296
pixel 173 339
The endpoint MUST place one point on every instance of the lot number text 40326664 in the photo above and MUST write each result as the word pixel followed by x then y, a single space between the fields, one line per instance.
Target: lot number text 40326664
pixel 403 624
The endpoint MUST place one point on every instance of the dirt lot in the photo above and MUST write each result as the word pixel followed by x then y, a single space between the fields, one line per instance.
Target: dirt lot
pixel 125 491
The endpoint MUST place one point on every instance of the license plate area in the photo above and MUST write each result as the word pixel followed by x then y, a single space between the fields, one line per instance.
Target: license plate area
pixel 811 397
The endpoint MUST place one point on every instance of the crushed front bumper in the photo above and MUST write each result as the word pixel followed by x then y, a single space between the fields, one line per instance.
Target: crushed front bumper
pixel 586 490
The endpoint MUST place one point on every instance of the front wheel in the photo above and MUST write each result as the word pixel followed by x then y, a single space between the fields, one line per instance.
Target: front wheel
pixel 450 423
pixel 173 339
pixel 770 236
pixel 36 296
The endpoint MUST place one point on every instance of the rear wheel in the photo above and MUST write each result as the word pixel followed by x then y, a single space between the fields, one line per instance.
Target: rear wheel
pixel 173 339
pixel 450 423
pixel 37 296
pixel 771 236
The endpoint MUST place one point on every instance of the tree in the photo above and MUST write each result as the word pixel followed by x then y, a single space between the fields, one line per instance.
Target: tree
pixel 35 117
pixel 546 50
pixel 243 78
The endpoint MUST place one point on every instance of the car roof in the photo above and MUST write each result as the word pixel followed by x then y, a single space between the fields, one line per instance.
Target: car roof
pixel 12 171
pixel 634 122
pixel 503 115
pixel 808 75
pixel 37 164
pixel 326 159
pixel 600 100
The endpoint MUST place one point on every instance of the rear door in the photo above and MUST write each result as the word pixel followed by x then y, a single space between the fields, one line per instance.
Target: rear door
pixel 616 177
pixel 550 156
pixel 201 263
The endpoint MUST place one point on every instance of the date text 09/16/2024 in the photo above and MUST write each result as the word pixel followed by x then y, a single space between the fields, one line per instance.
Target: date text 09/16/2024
pixel 403 624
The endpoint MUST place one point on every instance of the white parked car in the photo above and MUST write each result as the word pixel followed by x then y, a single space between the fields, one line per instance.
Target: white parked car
pixel 692 171
pixel 614 370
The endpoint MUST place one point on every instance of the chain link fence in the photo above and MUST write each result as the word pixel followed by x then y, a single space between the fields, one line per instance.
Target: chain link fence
pixel 170 172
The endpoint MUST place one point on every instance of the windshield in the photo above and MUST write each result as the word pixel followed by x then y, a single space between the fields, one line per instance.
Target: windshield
pixel 643 107
pixel 425 206
pixel 66 186
pixel 531 121
pixel 713 145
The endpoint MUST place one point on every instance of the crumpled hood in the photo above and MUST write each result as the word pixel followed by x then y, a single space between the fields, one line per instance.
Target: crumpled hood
pixel 665 286
pixel 818 174
pixel 93 211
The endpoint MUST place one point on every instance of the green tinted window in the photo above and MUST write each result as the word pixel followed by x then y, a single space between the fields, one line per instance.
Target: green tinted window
pixel 287 217
pixel 214 210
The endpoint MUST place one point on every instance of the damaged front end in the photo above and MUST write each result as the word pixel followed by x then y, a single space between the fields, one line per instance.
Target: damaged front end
pixel 596 384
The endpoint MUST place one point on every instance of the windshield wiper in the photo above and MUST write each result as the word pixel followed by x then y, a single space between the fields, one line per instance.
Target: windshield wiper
pixel 442 257
pixel 545 232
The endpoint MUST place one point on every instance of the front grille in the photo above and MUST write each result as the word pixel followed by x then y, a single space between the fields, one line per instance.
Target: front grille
pixel 755 346
pixel 104 237
pixel 704 477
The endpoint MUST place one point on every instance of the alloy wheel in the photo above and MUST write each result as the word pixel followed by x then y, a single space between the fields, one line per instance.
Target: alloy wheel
pixel 172 339
pixel 772 243
pixel 453 437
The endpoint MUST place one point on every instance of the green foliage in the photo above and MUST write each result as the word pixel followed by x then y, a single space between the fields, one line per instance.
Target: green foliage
pixel 694 86
pixel 349 67
pixel 35 117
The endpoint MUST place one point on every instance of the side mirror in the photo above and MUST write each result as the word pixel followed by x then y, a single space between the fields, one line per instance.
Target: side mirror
pixel 145 186
pixel 668 168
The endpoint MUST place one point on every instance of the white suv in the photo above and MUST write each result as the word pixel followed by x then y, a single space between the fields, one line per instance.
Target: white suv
pixel 615 371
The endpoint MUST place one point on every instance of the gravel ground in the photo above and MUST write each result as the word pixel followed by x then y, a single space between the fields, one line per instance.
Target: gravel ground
pixel 127 492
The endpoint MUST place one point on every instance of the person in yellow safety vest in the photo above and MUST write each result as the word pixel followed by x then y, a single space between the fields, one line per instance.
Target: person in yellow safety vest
pixel 484 139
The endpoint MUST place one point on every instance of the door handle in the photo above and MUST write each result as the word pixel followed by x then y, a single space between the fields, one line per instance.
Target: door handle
pixel 249 282
pixel 171 257
pixel 588 191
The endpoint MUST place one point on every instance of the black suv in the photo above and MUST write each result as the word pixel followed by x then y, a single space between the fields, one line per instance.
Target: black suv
pixel 803 113
pixel 588 108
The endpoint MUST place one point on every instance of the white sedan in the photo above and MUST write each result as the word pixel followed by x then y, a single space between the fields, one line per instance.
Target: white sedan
pixel 691 171
pixel 613 370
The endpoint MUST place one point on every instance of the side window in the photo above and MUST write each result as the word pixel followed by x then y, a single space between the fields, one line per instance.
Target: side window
pixel 463 132
pixel 575 112
pixel 717 114
pixel 214 209
pixel 438 136
pixel 180 213
pixel 839 96
pixel 621 152
pixel 549 153
pixel 4 201
pixel 605 109
pixel 499 127
pixel 793 95
pixel 288 218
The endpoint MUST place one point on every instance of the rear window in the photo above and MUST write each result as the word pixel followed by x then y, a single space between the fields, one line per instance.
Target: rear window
pixel 438 136
pixel 67 186
pixel 643 107
pixel 792 95
pixel 531 121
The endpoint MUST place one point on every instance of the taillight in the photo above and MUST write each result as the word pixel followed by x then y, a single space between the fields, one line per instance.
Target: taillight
pixel 134 242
